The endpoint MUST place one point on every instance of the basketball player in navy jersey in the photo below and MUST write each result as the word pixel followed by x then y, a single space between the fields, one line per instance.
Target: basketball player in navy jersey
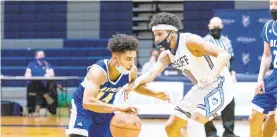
pixel 265 99
pixel 92 103
pixel 203 62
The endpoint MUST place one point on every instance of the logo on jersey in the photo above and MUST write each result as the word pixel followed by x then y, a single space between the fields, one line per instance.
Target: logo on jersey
pixel 181 62
pixel 245 20
pixel 273 43
pixel 214 101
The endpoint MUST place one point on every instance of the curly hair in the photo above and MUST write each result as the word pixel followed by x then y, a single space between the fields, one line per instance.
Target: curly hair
pixel 166 18
pixel 122 43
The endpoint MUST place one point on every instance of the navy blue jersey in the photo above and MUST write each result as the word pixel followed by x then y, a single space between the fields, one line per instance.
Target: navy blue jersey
pixel 269 35
pixel 108 89
pixel 85 122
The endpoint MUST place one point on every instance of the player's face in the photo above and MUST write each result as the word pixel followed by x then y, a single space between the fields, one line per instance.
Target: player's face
pixel 273 4
pixel 160 35
pixel 127 59
pixel 40 54
pixel 273 9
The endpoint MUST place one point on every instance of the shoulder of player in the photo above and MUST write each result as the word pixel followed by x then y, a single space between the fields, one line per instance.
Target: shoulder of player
pixel 164 57
pixel 268 23
pixel 193 41
pixel 97 74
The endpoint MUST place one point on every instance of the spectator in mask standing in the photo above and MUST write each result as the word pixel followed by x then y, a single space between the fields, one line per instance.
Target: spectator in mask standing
pixel 228 114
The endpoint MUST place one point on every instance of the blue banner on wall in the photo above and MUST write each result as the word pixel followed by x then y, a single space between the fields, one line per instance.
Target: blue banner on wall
pixel 244 27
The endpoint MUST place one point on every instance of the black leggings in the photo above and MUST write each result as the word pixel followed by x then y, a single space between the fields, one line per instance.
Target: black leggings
pixel 75 135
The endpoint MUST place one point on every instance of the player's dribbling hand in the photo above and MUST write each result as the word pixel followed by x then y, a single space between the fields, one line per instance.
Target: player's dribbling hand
pixel 128 109
pixel 259 87
pixel 163 96
pixel 130 87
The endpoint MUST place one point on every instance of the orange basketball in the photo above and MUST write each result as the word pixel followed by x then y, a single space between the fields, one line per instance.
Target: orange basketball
pixel 125 125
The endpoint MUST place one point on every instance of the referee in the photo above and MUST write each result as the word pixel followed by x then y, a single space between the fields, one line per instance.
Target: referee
pixel 228 114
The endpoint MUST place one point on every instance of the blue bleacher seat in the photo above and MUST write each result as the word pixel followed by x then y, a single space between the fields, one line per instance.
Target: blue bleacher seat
pixel 11 26
pixel 17 61
pixel 17 53
pixel 98 52
pixel 116 25
pixel 49 22
pixel 108 34
pixel 11 34
pixel 59 7
pixel 85 43
pixel 13 71
pixel 27 8
pixel 12 8
pixel 27 35
pixel 116 6
pixel 42 8
pixel 114 16
pixel 56 53
pixel 58 26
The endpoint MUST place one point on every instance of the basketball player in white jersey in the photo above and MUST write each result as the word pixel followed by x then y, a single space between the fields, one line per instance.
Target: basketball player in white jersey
pixel 203 62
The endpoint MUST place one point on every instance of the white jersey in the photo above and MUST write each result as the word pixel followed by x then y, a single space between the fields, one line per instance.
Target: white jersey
pixel 208 101
pixel 191 66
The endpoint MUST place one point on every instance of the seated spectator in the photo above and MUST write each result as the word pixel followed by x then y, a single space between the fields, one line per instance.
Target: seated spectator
pixel 153 59
pixel 39 91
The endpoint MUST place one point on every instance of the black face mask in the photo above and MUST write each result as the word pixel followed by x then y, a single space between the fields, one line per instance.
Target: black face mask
pixel 274 14
pixel 216 33
pixel 164 44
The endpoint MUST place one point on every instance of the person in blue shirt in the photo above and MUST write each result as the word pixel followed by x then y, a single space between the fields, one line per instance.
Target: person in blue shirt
pixel 265 99
pixel 40 67
pixel 92 103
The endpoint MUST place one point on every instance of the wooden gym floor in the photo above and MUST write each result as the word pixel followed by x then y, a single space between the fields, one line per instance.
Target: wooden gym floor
pixel 52 126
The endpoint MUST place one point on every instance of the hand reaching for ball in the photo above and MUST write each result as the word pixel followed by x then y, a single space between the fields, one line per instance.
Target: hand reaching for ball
pixel 128 109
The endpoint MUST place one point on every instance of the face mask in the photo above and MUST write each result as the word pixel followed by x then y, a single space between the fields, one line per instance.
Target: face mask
pixel 274 14
pixel 42 60
pixel 121 69
pixel 164 44
pixel 216 33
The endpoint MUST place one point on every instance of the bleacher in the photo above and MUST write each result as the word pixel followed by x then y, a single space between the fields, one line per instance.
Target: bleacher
pixel 75 34
pixel 31 24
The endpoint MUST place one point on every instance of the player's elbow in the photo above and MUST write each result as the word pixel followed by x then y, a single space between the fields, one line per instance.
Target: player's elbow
pixel 87 104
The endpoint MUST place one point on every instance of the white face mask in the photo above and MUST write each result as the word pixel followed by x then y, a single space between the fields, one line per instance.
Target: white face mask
pixel 121 69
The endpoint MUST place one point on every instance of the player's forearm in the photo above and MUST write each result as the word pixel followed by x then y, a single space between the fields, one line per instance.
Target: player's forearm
pixel 265 63
pixel 221 61
pixel 96 105
pixel 145 90
pixel 145 78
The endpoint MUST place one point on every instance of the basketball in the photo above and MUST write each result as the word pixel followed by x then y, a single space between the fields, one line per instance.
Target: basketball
pixel 125 125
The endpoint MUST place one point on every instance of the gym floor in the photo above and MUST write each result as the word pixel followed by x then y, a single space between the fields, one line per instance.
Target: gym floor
pixel 52 126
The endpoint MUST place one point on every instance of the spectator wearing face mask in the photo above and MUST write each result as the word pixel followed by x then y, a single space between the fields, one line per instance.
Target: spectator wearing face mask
pixel 39 88
pixel 228 114
pixel 152 60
